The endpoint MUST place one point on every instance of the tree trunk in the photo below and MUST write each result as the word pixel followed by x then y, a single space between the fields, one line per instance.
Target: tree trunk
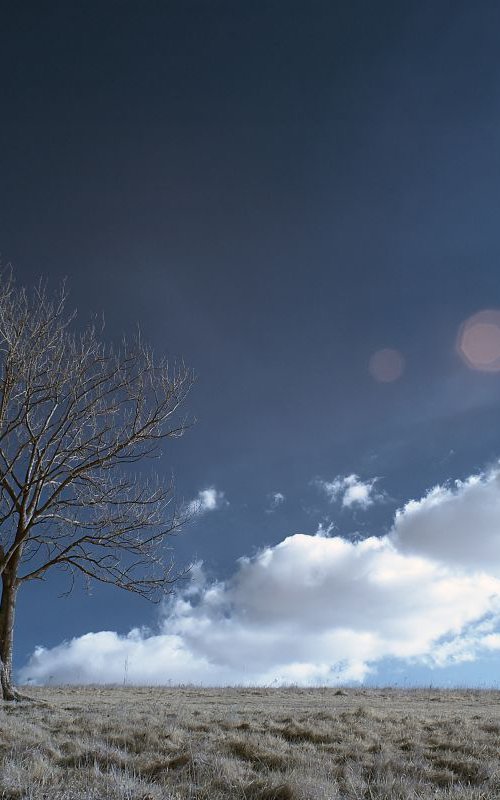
pixel 7 612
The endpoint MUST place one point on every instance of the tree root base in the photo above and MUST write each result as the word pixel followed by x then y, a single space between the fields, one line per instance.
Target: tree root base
pixel 11 695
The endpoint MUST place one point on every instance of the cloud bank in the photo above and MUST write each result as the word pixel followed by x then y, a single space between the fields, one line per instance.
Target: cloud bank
pixel 319 609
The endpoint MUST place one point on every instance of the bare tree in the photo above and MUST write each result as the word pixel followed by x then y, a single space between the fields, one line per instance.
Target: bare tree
pixel 76 415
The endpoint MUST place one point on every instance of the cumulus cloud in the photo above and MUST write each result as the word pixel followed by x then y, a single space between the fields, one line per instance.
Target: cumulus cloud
pixel 351 491
pixel 457 523
pixel 319 609
pixel 276 499
pixel 209 499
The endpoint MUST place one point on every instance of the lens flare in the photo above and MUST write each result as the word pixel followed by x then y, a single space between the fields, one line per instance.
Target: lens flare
pixel 386 365
pixel 478 341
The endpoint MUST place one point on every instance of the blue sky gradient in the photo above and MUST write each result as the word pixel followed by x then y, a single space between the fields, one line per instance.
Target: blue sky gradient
pixel 274 192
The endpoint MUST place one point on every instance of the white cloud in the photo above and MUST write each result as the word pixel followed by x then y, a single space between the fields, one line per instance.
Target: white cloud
pixel 209 499
pixel 351 491
pixel 319 608
pixel 458 523
pixel 275 501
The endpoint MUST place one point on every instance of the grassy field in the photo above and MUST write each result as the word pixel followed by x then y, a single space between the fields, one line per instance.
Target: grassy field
pixel 253 744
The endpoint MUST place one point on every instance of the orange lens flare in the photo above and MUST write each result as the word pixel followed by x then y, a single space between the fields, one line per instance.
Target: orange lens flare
pixel 386 365
pixel 478 341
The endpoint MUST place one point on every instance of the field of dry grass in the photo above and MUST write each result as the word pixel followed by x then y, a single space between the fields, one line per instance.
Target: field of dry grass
pixel 254 744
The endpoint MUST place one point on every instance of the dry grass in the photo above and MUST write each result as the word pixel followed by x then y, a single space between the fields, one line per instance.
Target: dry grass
pixel 250 744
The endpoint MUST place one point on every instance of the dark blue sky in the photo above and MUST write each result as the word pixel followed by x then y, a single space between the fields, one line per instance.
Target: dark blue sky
pixel 274 191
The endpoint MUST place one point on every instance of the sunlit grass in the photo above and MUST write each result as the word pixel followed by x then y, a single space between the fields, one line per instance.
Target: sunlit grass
pixel 253 744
